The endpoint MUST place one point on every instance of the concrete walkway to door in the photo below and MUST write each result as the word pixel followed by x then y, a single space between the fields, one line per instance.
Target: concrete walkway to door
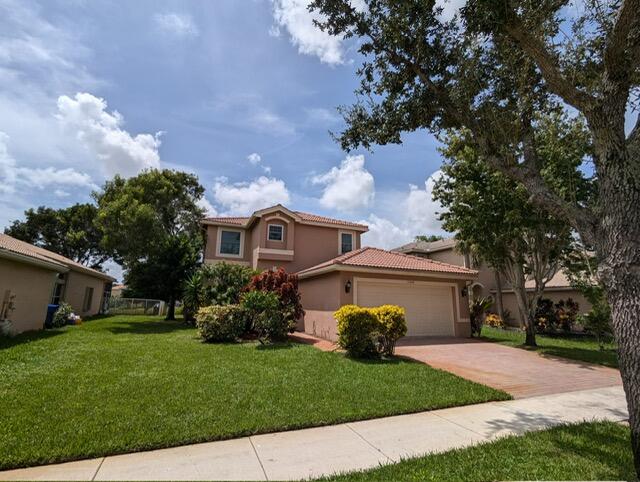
pixel 519 372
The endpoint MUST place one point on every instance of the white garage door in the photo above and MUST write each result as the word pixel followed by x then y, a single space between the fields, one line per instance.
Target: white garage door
pixel 429 307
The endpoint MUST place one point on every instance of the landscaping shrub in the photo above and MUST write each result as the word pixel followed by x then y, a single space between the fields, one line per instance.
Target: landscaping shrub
pixel 266 316
pixel 284 285
pixel 551 318
pixel 597 322
pixel 391 327
pixel 220 323
pixel 493 319
pixel 62 315
pixel 357 331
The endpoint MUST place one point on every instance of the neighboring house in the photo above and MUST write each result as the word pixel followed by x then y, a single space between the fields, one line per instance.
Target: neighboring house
pixel 32 278
pixel 334 270
pixel 558 288
pixel 117 289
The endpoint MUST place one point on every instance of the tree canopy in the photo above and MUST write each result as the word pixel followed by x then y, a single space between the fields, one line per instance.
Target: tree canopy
pixel 70 232
pixel 151 225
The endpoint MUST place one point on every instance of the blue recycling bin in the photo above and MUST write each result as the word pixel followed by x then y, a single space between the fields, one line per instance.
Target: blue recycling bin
pixel 51 310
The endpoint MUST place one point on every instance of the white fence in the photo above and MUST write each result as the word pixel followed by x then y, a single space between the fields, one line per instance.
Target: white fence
pixel 136 306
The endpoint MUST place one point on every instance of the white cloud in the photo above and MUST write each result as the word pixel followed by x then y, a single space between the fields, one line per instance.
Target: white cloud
pixel 295 18
pixel 13 177
pixel 320 115
pixel 254 158
pixel 414 213
pixel 61 193
pixel 209 210
pixel 347 187
pixel 243 198
pixel 101 133
pixel 178 24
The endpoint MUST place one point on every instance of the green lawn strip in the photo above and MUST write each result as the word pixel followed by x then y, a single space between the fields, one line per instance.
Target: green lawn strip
pixel 576 348
pixel 587 451
pixel 125 384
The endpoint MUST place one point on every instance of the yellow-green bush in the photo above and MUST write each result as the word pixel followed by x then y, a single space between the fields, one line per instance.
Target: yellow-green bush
pixel 357 331
pixel 493 319
pixel 366 332
pixel 392 326
pixel 220 323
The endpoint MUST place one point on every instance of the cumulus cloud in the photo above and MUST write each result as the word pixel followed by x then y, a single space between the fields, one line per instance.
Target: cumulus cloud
pixel 414 213
pixel 179 24
pixel 209 210
pixel 295 18
pixel 347 187
pixel 254 158
pixel 243 198
pixel 102 134
pixel 12 176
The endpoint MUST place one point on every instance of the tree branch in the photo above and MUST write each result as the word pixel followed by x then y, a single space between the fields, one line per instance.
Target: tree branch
pixel 623 44
pixel 549 67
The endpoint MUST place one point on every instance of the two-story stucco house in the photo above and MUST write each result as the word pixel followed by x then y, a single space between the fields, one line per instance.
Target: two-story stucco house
pixel 335 270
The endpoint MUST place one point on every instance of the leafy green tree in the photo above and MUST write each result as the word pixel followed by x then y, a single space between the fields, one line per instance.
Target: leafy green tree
pixel 428 238
pixel 494 220
pixel 70 232
pixel 151 225
pixel 490 71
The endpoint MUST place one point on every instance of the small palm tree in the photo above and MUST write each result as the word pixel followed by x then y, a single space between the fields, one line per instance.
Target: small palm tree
pixel 193 295
pixel 477 311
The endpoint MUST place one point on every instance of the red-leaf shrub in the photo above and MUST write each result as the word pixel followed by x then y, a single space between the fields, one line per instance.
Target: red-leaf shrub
pixel 283 284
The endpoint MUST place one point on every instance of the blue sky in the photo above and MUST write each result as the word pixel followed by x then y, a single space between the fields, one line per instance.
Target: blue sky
pixel 240 92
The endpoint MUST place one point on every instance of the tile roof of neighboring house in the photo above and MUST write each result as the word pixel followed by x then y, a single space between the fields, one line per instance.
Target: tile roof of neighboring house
pixel 312 218
pixel 16 246
pixel 559 280
pixel 379 258
pixel 426 247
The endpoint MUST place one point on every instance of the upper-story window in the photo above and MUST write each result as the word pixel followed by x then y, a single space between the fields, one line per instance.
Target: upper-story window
pixel 346 242
pixel 275 232
pixel 230 243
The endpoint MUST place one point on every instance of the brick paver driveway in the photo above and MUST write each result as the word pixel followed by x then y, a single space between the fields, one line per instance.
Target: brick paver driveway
pixel 516 371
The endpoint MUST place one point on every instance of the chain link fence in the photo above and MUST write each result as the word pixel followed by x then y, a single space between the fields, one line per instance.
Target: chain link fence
pixel 136 306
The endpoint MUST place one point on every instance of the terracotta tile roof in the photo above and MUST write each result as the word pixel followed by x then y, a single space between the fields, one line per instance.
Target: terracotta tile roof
pixel 322 219
pixel 312 218
pixel 228 220
pixel 14 245
pixel 379 258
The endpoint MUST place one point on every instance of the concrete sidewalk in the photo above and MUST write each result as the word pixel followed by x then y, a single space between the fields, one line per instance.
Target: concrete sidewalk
pixel 351 446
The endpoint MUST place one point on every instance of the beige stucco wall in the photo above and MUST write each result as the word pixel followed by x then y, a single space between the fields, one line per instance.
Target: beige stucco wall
pixel 509 302
pixel 323 295
pixel 33 287
pixel 75 291
pixel 212 239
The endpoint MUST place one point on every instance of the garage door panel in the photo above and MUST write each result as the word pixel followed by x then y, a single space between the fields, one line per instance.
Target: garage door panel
pixel 429 308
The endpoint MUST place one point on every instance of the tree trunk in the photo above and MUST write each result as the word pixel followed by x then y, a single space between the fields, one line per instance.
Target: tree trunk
pixel 499 306
pixel 618 250
pixel 171 311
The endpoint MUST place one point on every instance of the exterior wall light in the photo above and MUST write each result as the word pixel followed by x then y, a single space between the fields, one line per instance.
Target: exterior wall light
pixel 464 292
pixel 347 287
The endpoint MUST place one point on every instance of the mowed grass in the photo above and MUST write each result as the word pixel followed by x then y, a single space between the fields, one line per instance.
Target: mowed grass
pixel 124 384
pixel 588 451
pixel 584 349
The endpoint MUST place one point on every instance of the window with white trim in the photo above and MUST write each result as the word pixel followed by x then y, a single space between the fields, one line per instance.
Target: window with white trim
pixel 230 242
pixel 346 242
pixel 275 232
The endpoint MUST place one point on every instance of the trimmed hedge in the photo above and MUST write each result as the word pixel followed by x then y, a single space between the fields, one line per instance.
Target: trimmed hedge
pixel 221 323
pixel 370 332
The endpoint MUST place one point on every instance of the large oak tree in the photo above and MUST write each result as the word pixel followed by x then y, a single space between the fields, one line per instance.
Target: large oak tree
pixel 489 72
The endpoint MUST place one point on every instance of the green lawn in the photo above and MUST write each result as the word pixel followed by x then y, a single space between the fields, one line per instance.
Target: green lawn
pixel 131 383
pixel 577 348
pixel 588 451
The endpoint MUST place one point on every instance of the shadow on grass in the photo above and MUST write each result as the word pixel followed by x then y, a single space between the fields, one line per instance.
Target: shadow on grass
pixel 274 346
pixel 149 327
pixel 607 358
pixel 29 337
